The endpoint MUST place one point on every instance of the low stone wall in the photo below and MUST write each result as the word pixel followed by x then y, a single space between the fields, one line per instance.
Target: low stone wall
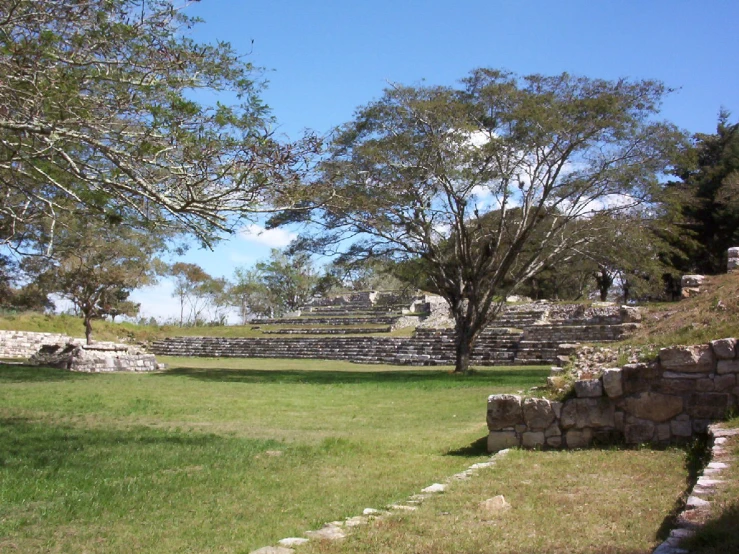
pixel 664 401
pixel 95 358
pixel 24 344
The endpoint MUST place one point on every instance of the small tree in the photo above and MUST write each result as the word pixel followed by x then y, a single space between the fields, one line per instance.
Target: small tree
pixel 488 183
pixel 196 290
pixel 97 266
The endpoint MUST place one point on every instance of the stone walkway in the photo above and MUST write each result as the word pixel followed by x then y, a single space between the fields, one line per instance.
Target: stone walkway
pixel 335 530
pixel 698 506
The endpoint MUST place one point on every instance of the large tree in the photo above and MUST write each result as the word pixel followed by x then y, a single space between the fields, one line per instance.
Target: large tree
pixel 707 199
pixel 108 106
pixel 488 183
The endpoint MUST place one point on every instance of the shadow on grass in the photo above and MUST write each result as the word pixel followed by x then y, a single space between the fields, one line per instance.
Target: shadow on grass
pixel 718 535
pixel 21 373
pixel 511 378
pixel 29 444
pixel 473 450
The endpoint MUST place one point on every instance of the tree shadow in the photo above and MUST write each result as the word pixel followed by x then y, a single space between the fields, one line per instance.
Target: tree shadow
pixel 473 450
pixel 517 378
pixel 25 373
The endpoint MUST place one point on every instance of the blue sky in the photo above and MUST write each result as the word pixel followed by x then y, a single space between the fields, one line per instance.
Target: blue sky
pixel 323 59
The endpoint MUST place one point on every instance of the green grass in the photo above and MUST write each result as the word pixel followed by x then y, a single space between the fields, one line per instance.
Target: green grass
pixel 225 455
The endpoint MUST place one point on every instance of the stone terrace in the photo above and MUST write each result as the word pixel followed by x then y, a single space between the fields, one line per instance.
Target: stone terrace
pixel 523 334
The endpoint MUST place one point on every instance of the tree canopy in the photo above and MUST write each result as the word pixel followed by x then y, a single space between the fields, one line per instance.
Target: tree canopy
pixel 106 106
pixel 487 183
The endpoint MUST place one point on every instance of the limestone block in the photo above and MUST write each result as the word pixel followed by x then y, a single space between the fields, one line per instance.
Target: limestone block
pixel 612 382
pixel 732 264
pixel 587 412
pixel 724 349
pixel 676 386
pixel 579 438
pixel 554 442
pixel 675 375
pixel 681 426
pixel 698 358
pixel 734 252
pixel 557 407
pixel 639 432
pixel 500 440
pixel 727 366
pixel 664 432
pixel 532 439
pixel 553 430
pixel 637 377
pixel 537 413
pixel 618 420
pixel 724 383
pixel 590 388
pixel 630 314
pixel 504 410
pixel 653 406
pixel 692 280
pixel 707 405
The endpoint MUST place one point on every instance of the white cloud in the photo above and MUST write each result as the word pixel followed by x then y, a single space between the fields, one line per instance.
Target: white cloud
pixel 274 238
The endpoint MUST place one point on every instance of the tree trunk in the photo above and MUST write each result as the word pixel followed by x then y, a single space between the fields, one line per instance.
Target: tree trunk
pixel 463 351
pixel 88 329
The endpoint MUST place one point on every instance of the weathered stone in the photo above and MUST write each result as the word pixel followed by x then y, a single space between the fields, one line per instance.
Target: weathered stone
pixel 578 438
pixel 663 432
pixel 708 405
pixel 727 366
pixel 273 550
pixel 698 358
pixel 329 532
pixel 635 378
pixel 532 439
pixel 569 415
pixel 637 433
pixel 587 412
pixel 732 264
pixel 553 430
pixel 293 541
pixel 704 385
pixel 612 382
pixel 724 383
pixel 685 376
pixel 653 406
pixel 675 386
pixel 435 488
pixel 521 428
pixel 590 388
pixel 504 410
pixel 554 442
pixel 733 252
pixel 725 349
pixel 495 505
pixel 681 427
pixel 618 420
pixel 692 280
pixel 537 413
pixel 630 314
pixel 500 440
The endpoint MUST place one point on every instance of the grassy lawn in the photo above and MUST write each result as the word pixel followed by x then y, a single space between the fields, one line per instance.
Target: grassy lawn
pixel 225 455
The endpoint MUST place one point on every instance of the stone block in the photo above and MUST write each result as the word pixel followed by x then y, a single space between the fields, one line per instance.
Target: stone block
pixel 639 432
pixel 733 252
pixel 704 385
pixel 724 349
pixel 504 410
pixel 537 413
pixel 652 406
pixel 579 438
pixel 707 405
pixel 692 280
pixel 675 386
pixel 557 408
pixel 532 439
pixel 698 358
pixel 588 412
pixel 727 366
pixel 553 430
pixel 590 388
pixel 554 442
pixel 664 432
pixel 724 383
pixel 636 378
pixel 681 427
pixel 612 382
pixel 500 440
pixel 618 420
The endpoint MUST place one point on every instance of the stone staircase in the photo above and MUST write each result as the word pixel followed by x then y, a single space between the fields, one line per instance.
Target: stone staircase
pixel 523 334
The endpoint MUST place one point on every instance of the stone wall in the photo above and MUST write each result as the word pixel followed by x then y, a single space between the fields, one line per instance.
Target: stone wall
pixel 664 401
pixel 95 358
pixel 24 344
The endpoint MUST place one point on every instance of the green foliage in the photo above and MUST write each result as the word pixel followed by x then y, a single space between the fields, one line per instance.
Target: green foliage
pixel 706 200
pixel 98 116
pixel 199 294
pixel 487 184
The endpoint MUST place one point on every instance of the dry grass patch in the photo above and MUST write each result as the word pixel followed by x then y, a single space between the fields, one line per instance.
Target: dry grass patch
pixel 592 501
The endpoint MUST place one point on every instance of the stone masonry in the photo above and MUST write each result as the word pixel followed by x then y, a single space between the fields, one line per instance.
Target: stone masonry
pixel 665 401
pixel 24 344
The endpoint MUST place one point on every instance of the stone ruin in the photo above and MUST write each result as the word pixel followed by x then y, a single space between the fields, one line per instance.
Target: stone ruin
pixel 667 400
pixel 95 358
